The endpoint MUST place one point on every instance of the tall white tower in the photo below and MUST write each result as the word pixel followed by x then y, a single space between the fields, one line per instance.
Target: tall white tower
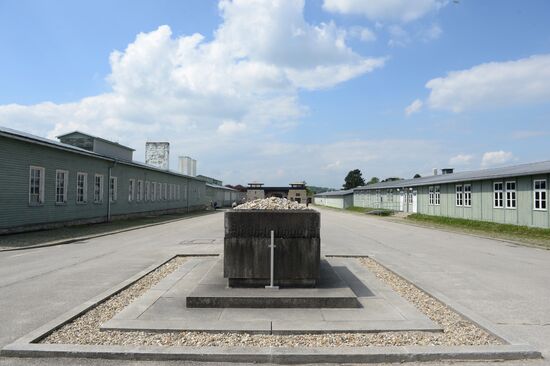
pixel 157 154
pixel 188 166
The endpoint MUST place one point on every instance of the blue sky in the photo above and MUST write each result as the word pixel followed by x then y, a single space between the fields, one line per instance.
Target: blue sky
pixel 287 90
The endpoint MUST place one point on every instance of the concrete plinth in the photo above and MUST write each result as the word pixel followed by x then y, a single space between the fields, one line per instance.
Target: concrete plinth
pixel 331 292
pixel 247 254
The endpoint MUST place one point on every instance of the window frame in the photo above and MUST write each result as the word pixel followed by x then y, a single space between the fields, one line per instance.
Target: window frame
pixel 65 195
pixel 500 197
pixel 131 189
pixel 540 190
pixel 84 188
pixel 139 191
pixel 459 195
pixel 147 191
pixel 41 185
pixel 508 198
pixel 437 195
pixel 99 199
pixel 467 195
pixel 113 189
pixel 154 192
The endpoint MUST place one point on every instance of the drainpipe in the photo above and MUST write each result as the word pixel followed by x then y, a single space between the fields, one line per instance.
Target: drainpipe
pixel 187 194
pixel 109 192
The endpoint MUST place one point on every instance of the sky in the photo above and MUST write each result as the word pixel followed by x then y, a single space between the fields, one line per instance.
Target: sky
pixel 284 91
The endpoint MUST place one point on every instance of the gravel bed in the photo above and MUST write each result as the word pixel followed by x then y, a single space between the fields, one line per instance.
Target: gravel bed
pixel 457 330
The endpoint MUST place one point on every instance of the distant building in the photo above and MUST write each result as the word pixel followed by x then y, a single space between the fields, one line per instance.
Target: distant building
pixel 294 192
pixel 157 154
pixel 336 199
pixel 210 180
pixel 188 166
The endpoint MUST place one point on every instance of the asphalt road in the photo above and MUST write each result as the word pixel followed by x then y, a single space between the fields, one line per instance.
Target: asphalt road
pixel 505 283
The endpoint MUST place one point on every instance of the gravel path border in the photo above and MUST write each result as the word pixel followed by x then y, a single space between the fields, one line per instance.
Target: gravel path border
pixel 457 331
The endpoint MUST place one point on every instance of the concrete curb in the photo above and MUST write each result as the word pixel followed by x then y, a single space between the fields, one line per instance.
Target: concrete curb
pixel 275 355
pixel 27 345
pixel 93 236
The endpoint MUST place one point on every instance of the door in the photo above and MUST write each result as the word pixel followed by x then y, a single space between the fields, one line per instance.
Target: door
pixel 414 202
pixel 401 201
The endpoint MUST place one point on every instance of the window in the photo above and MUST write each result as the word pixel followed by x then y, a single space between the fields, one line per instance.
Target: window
pixel 510 194
pixel 437 197
pixel 61 182
pixel 468 195
pixel 459 195
pixel 113 189
pixel 410 198
pixel 159 194
pixel 185 191
pixel 147 190
pixel 98 188
pixel 131 189
pixel 498 196
pixel 165 193
pixel 36 185
pixel 139 192
pixel 81 187
pixel 154 192
pixel 178 192
pixel 431 195
pixel 170 191
pixel 540 194
pixel 390 195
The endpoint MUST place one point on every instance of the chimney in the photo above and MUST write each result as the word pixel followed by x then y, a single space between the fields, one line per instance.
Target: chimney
pixel 435 171
pixel 188 166
pixel 157 154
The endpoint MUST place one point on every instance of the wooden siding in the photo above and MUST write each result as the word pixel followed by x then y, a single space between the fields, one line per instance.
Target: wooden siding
pixel 17 156
pixel 482 207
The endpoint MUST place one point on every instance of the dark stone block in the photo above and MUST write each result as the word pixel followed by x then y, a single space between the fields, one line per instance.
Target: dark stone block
pixel 247 252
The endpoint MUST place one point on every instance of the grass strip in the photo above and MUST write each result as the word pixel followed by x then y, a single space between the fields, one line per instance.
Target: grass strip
pixel 525 234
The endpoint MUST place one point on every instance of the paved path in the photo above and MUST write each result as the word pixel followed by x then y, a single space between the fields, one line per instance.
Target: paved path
pixel 507 284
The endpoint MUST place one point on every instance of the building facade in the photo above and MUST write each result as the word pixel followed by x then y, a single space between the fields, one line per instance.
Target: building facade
pixel 47 184
pixel 336 199
pixel 510 195
pixel 294 192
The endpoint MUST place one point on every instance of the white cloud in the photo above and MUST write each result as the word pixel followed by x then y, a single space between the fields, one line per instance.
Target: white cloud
pixel 384 10
pixel 431 33
pixel 414 107
pixel 362 33
pixel 186 89
pixel 494 84
pixel 231 127
pixel 461 159
pixel 496 158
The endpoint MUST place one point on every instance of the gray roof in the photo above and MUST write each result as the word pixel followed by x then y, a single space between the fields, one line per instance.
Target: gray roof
pixel 335 193
pixel 19 135
pixel 97 138
pixel 542 167
pixel 220 187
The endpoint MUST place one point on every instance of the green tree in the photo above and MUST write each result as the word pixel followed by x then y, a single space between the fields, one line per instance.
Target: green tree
pixel 354 179
pixel 374 180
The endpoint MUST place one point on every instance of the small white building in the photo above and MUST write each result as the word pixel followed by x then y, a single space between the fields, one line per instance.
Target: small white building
pixel 336 199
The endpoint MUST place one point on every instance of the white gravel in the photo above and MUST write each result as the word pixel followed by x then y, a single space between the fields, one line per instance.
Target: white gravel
pixel 272 203
pixel 457 331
